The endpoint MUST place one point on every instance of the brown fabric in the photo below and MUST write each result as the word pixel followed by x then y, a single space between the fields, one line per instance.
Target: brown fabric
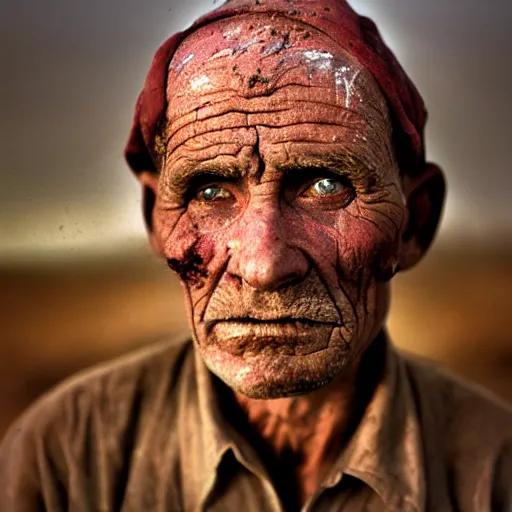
pixel 146 433
pixel 356 34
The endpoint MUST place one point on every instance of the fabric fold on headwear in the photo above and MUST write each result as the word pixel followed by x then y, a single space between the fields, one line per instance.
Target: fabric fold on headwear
pixel 356 34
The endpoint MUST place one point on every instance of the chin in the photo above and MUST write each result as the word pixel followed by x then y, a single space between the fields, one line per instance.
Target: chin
pixel 268 376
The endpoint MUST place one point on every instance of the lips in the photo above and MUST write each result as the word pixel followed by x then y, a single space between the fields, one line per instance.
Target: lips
pixel 284 336
pixel 287 325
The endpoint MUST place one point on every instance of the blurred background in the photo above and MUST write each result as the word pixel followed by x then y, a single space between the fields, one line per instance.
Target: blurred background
pixel 78 283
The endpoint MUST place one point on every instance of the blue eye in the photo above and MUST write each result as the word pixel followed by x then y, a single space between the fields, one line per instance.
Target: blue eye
pixel 327 187
pixel 213 193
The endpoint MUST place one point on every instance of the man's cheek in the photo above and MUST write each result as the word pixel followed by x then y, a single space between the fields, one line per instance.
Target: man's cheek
pixel 364 246
pixel 189 252
pixel 363 255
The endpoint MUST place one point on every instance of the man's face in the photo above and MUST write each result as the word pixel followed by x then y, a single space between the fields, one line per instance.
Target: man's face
pixel 279 202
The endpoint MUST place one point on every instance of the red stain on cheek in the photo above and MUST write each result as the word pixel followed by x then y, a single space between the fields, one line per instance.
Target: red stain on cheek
pixel 189 268
pixel 188 252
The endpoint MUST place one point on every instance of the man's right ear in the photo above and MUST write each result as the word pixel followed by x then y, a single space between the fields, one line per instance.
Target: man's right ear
pixel 149 182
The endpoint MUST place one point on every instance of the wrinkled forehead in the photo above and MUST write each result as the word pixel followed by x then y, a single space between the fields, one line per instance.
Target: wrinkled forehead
pixel 256 55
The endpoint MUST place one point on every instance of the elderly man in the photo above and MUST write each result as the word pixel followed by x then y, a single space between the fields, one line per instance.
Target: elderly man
pixel 280 148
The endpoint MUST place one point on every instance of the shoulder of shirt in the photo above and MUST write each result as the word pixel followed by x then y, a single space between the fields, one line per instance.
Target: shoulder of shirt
pixel 462 412
pixel 112 389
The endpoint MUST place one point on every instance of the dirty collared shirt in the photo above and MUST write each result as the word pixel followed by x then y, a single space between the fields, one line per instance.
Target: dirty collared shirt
pixel 146 433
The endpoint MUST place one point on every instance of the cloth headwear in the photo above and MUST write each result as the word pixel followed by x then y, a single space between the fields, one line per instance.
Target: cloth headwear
pixel 358 35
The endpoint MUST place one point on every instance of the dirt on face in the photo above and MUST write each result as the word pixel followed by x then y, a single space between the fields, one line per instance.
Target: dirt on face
pixel 279 202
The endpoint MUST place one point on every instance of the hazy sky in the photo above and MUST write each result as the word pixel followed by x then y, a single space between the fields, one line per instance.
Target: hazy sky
pixel 71 70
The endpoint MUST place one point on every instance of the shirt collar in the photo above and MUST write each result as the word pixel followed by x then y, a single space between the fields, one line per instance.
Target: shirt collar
pixel 385 451
pixel 206 436
pixel 203 433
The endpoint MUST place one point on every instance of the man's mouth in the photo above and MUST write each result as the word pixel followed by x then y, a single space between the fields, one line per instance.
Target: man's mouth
pixel 278 325
pixel 291 336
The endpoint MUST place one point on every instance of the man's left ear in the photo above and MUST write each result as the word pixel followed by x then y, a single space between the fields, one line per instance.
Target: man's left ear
pixel 149 182
pixel 425 196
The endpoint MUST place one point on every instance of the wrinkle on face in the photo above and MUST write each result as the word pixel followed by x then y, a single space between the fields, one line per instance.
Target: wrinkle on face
pixel 308 300
pixel 286 289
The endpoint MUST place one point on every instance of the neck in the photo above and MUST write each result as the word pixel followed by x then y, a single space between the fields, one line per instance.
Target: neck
pixel 306 434
pixel 304 424
pixel 303 434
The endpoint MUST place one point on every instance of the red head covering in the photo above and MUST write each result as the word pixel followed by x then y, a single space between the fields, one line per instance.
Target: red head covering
pixel 356 34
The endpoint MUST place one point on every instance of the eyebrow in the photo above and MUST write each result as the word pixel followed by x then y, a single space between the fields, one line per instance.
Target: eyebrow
pixel 181 176
pixel 343 163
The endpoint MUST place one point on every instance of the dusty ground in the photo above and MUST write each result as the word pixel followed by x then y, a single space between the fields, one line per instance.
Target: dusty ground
pixel 455 308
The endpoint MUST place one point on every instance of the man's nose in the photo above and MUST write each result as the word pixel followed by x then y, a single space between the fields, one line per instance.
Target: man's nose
pixel 263 253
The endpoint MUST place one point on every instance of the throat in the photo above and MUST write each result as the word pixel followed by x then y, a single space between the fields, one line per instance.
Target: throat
pixel 300 425
pixel 302 436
